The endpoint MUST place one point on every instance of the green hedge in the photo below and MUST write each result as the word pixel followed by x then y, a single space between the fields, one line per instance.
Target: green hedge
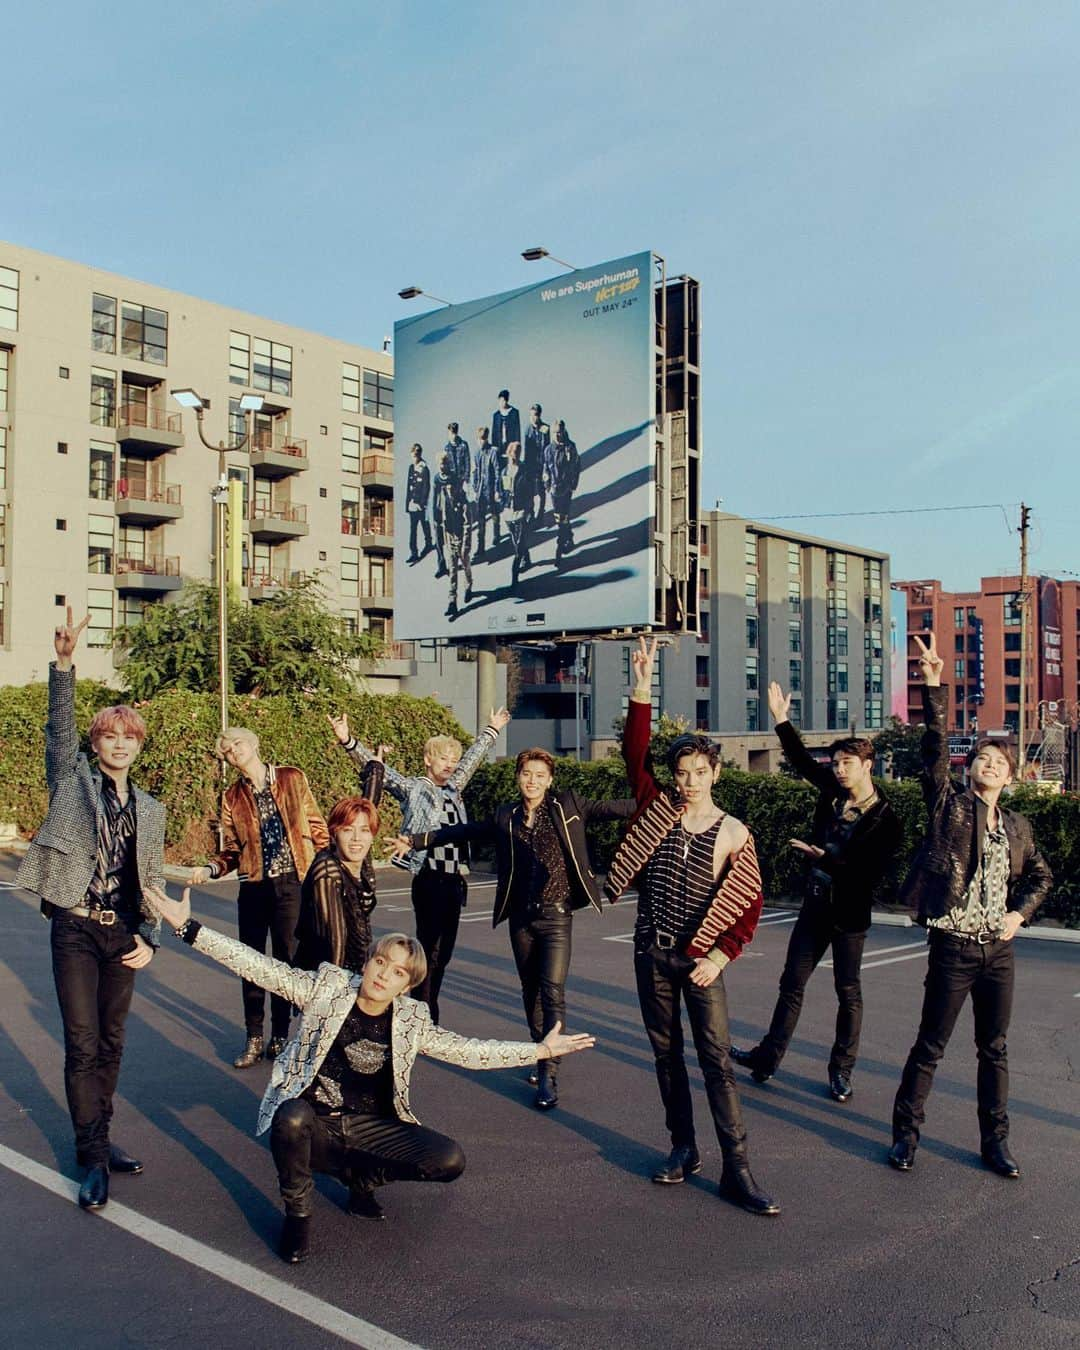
pixel 778 808
pixel 177 762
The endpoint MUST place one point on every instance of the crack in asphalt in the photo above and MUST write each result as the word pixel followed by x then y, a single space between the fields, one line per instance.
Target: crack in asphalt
pixel 1033 1287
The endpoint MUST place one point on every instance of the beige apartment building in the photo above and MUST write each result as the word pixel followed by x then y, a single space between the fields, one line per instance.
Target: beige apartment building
pixel 105 484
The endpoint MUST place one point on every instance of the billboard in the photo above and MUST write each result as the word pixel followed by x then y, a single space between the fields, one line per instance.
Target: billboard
pixel 542 521
pixel 1051 680
pixel 898 645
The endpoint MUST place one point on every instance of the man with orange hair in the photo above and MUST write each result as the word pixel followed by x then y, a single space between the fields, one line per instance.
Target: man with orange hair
pixel 101 845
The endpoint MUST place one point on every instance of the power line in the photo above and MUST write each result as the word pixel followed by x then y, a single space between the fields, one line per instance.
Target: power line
pixel 893 511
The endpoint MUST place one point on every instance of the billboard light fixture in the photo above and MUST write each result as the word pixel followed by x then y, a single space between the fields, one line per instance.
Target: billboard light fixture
pixel 535 254
pixel 413 292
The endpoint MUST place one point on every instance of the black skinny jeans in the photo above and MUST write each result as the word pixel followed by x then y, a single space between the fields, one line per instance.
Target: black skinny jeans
pixel 94 989
pixel 955 970
pixel 360 1150
pixel 437 898
pixel 418 521
pixel 811 938
pixel 663 979
pixel 270 906
pixel 541 947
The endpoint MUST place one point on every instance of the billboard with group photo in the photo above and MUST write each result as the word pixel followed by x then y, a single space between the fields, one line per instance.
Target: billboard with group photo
pixel 523 450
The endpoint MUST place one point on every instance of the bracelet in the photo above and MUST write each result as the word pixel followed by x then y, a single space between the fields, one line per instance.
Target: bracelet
pixel 182 931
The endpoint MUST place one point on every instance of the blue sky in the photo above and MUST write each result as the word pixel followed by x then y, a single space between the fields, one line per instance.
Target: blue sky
pixel 881 202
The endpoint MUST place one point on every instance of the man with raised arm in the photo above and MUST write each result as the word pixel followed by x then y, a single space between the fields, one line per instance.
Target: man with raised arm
pixel 699 892
pixel 100 845
pixel 976 879
pixel 428 802
pixel 854 835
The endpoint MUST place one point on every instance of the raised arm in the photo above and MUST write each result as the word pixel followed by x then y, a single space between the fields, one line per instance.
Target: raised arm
pixel 635 746
pixel 797 755
pixel 935 747
pixel 396 783
pixel 473 757
pixel 61 733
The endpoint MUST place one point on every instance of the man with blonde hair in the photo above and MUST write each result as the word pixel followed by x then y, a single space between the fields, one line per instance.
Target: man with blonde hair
pixel 101 844
pixel 429 802
pixel 271 829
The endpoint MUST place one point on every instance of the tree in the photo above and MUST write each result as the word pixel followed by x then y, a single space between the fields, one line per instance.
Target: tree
pixel 667 730
pixel 290 642
pixel 900 744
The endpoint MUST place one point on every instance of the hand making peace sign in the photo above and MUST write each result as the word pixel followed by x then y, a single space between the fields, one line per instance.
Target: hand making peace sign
pixel 65 639
pixel 929 662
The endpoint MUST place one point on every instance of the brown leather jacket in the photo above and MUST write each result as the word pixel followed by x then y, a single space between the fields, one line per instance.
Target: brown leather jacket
pixel 305 827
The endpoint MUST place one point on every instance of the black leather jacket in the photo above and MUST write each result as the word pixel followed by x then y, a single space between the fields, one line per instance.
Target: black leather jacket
pixel 570 813
pixel 858 865
pixel 952 849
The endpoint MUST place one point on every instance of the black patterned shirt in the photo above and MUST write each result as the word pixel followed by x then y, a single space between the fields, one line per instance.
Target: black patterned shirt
pixel 357 1076
pixel 277 856
pixel 115 882
pixel 985 902
pixel 540 880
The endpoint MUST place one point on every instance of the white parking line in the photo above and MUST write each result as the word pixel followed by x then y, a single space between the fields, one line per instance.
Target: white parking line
pixel 276 1292
pixel 891 960
pixel 784 918
pixel 884 951
pixel 629 937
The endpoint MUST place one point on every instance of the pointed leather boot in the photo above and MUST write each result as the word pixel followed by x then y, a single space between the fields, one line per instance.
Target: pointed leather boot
pixel 738 1185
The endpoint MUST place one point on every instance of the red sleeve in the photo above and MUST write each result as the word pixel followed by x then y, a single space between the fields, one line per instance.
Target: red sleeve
pixel 643 786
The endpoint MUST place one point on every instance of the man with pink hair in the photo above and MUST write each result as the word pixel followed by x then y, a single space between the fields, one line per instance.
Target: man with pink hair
pixel 101 845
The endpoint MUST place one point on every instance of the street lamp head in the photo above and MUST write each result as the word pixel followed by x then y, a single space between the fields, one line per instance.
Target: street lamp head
pixel 251 402
pixel 188 398
pixel 534 254
pixel 410 293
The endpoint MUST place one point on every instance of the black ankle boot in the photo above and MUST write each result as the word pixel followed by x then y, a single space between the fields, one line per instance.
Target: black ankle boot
pixel 251 1053
pixel 293 1245
pixel 682 1163
pixel 94 1192
pixel 547 1093
pixel 122 1162
pixel 738 1185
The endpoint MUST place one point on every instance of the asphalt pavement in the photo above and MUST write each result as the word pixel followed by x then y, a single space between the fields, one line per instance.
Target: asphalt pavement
pixel 553 1236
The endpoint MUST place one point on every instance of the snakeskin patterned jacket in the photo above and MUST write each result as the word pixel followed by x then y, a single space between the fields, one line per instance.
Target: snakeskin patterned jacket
pixel 324 998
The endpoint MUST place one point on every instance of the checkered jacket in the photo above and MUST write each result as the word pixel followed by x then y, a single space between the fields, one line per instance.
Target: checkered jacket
pixel 324 998
pixel 420 798
pixel 59 865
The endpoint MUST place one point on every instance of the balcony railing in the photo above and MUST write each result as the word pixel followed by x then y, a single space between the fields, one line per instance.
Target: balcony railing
pixel 399 651
pixel 151 566
pixel 383 464
pixel 155 419
pixel 276 576
pixel 375 588
pixel 280 442
pixel 128 490
pixel 297 515
pixel 378 522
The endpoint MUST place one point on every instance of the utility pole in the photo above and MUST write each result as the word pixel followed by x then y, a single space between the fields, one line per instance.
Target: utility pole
pixel 1025 626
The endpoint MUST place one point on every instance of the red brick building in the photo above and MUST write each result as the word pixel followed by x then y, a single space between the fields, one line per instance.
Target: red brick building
pixel 978 635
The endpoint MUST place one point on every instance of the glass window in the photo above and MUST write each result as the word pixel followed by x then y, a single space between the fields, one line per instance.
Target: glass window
pixel 1012 693
pixel 751 590
pixel 794 560
pixel 100 551
pixel 751 672
pixel 959 618
pixel 1012 641
pixel 102 458
pixel 795 712
pixel 837 709
pixel 102 397
pixel 271 367
pixel 701 714
pixel 958 669
pixel 130 610
pixel 239 358
pixel 379 395
pixel 350 387
pixel 144 333
pixel 795 597
pixel 5 377
pixel 350 622
pixel 703 625
pixel 794 675
pixel 752 715
pixel 874 677
pixel 836 568
pixel 872 575
pixel 103 323
pixel 873 644
pixel 378 442
pixel 750 549
pixel 99 604
pixel 350 509
pixel 838 677
pixel 751 631
pixel 350 571
pixel 9 298
pixel 3 458
pixel 3 536
pixel 350 449
pixel 874 712
pixel 701 671
pixel 794 636
pixel 1012 668
pixel 1011 604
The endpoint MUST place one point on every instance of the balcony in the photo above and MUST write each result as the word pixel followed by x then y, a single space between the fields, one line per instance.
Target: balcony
pixel 268 585
pixel 377 593
pixel 147 503
pixel 398 658
pixel 377 531
pixel 146 431
pixel 377 471
pixel 147 575
pixel 277 454
pixel 274 524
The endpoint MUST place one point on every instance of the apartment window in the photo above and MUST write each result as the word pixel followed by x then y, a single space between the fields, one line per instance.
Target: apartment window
pixel 1012 641
pixel 350 622
pixel 1012 669
pixel 102 397
pixel 794 560
pixel 751 672
pixel 99 630
pixel 350 387
pixel 239 358
pixel 795 675
pixel 873 644
pixel 703 625
pixel 703 581
pixel 3 536
pixel 626 665
pixel 3 458
pixel 701 671
pixel 9 298
pixel 794 636
pixel 271 366
pixel 103 324
pixel 378 442
pixel 100 546
pixel 794 592
pixel 836 568
pixel 795 712
pixel 836 639
pixel 144 333
pixel 753 715
pixel 350 509
pixel 751 590
pixel 837 711
pixel 350 571
pixel 872 612
pixel 958 669
pixel 751 631
pixel 872 575
pixel 959 618
pixel 874 677
pixel 750 549
pixel 5 377
pixel 1011 605
pixel 838 677
pixel 350 449
pixel 378 580
pixel 875 708
pixel 836 603
pixel 1012 693
pixel 958 642
pixel 102 459
pixel 130 610
pixel 379 395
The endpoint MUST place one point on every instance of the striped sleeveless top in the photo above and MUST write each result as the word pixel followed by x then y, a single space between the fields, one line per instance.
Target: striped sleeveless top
pixel 677 884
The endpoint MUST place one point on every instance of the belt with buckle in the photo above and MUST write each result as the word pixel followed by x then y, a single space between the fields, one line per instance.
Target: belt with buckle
pixel 665 941
pixel 105 917
pixel 983 937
